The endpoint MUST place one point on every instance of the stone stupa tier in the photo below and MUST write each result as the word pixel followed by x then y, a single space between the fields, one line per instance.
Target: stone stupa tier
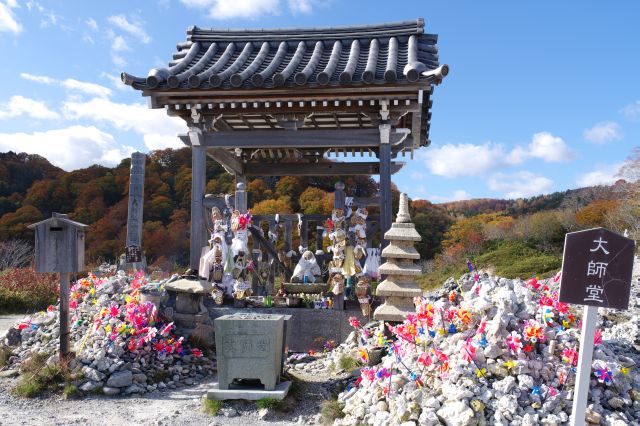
pixel 399 288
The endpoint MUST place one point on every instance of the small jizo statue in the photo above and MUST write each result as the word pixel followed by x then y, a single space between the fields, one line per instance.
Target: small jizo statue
pixel 337 284
pixel 307 269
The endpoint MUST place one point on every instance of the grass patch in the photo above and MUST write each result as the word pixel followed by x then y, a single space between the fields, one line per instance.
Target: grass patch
pixel 331 410
pixel 516 259
pixel 160 376
pixel 38 377
pixel 435 279
pixel 5 354
pixel 348 363
pixel 269 403
pixel 211 406
pixel 70 391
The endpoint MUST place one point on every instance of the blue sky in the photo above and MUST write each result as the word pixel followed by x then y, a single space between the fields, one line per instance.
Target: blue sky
pixel 542 96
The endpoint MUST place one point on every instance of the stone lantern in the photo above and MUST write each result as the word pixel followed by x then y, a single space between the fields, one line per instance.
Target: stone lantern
pixel 399 288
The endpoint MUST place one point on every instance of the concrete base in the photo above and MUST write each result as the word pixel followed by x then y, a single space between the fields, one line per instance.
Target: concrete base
pixel 280 392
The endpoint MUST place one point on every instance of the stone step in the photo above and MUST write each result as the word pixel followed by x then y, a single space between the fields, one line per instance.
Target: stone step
pixel 400 251
pixel 391 288
pixel 389 312
pixel 402 232
pixel 390 268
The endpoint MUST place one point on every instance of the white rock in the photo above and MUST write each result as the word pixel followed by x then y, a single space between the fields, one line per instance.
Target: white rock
pixel 456 413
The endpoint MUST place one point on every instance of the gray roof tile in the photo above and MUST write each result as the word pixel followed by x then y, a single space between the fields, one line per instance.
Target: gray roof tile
pixel 223 59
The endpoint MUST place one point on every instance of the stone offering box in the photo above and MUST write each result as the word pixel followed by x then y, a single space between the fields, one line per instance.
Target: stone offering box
pixel 250 346
pixel 59 244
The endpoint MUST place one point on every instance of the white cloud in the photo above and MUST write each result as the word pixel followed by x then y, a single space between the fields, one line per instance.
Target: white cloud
pixel 69 148
pixel 91 23
pixel 86 88
pixel 158 128
pixel 133 28
pixel 603 132
pixel 300 6
pixel 19 105
pixel 71 84
pixel 549 148
pixel 228 9
pixel 457 195
pixel 37 78
pixel 8 21
pixel 460 194
pixel 520 184
pixel 115 81
pixel 472 160
pixel 604 174
pixel 632 110
pixel 462 159
pixel 119 44
pixel 156 141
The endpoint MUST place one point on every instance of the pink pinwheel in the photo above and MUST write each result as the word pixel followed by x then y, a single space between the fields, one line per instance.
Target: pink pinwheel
pixel 368 374
pixel 166 329
pixel 597 339
pixel 469 352
pixel 73 304
pixel 570 356
pixel 514 342
pixel 114 311
pixel 353 321
pixel 196 352
pixel 424 359
pixel 482 327
pixel 604 375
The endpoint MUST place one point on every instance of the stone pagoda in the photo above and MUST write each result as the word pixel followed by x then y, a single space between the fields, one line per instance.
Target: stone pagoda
pixel 399 288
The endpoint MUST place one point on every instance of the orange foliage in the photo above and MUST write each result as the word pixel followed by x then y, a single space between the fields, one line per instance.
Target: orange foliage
pixel 594 214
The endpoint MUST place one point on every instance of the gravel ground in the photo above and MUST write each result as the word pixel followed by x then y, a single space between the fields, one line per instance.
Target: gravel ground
pixel 176 407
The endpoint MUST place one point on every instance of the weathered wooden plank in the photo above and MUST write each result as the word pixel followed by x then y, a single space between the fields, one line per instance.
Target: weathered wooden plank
pixel 230 163
pixel 278 138
pixel 385 180
pixel 304 233
pixel 198 182
pixel 318 169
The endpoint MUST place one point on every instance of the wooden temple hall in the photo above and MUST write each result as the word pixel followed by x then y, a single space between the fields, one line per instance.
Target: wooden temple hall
pixel 283 102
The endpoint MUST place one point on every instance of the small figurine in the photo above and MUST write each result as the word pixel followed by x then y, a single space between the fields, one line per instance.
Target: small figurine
pixel 307 268
pixel 337 284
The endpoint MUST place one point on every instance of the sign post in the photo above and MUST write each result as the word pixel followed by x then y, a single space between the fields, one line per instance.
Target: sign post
pixel 596 272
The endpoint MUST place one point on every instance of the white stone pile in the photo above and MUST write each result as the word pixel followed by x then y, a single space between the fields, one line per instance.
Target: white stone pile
pixel 485 381
pixel 106 361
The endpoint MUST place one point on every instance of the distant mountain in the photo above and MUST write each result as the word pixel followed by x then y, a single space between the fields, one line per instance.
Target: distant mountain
pixel 575 198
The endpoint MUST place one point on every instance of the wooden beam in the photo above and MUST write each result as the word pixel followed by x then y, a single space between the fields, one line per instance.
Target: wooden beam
pixel 256 139
pixel 318 169
pixel 230 163
pixel 198 228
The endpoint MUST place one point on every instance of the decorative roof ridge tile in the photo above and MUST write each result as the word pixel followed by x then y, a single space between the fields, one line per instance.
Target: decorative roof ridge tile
pixel 327 33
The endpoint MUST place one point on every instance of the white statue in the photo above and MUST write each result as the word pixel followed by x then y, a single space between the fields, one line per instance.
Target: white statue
pixel 307 267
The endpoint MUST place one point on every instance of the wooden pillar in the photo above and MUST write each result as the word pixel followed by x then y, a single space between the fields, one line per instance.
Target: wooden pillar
pixel 287 246
pixel 256 255
pixel 241 193
pixel 385 181
pixel 304 234
pixel 319 239
pixel 64 314
pixel 273 228
pixel 198 182
pixel 338 203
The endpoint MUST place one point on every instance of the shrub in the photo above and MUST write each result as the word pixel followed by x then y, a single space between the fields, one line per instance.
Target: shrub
pixel 5 354
pixel 70 391
pixel 516 259
pixel 348 363
pixel 23 290
pixel 269 403
pixel 211 406
pixel 39 377
pixel 331 410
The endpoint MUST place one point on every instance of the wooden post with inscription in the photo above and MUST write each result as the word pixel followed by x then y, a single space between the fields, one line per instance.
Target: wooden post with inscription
pixel 133 250
pixel 596 272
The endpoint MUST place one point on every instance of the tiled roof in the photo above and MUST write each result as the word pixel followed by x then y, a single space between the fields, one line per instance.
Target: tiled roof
pixel 342 56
